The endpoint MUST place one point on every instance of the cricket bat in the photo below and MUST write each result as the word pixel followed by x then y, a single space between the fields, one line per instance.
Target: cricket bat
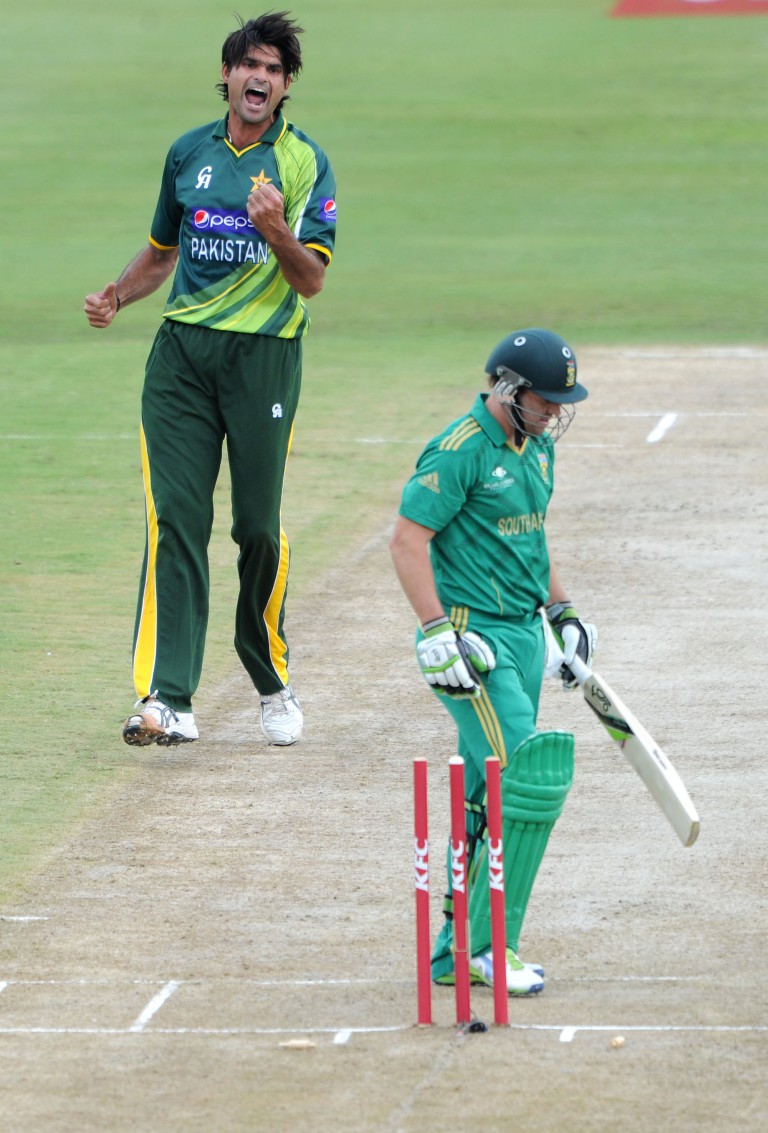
pixel 642 751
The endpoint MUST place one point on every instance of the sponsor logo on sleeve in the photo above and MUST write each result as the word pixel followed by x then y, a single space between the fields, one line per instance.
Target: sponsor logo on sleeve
pixel 328 209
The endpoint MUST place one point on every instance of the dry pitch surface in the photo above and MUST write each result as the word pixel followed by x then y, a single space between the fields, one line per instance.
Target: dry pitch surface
pixel 239 898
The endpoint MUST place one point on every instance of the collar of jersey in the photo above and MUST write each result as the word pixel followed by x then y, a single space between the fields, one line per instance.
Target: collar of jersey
pixel 487 422
pixel 272 135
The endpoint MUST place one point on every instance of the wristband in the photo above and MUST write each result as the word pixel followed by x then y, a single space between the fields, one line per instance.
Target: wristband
pixel 558 610
pixel 118 303
pixel 436 624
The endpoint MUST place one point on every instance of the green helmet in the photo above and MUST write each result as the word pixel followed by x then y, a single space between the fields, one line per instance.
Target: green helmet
pixel 542 360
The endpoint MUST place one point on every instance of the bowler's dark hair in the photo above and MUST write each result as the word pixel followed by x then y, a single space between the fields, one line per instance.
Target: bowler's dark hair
pixel 273 29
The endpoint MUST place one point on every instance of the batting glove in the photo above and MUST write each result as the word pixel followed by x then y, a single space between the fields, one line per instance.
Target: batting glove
pixel 575 637
pixel 451 664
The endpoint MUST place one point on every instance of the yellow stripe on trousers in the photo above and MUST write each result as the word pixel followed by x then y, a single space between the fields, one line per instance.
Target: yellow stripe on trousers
pixel 277 646
pixel 489 722
pixel 145 649
pixel 484 710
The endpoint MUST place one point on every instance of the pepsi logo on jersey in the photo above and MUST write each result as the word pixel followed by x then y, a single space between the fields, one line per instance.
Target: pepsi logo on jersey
pixel 223 221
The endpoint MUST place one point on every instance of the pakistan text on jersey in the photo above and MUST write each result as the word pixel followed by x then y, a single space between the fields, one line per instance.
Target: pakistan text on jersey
pixel 228 251
pixel 520 524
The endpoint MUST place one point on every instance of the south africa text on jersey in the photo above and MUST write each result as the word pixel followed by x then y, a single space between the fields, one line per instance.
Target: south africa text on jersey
pixel 521 524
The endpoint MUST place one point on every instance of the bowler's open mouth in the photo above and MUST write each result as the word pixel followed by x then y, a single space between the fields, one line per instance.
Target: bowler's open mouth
pixel 255 97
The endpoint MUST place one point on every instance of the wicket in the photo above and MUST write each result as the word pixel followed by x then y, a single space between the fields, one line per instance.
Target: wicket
pixel 421 882
pixel 460 891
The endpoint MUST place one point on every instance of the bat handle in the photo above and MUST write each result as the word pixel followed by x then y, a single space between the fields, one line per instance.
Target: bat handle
pixel 580 671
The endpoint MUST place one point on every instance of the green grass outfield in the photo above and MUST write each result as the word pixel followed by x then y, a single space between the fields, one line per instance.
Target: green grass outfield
pixel 499 164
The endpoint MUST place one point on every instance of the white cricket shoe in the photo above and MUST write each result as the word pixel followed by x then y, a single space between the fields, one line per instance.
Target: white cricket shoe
pixel 281 717
pixel 522 979
pixel 157 723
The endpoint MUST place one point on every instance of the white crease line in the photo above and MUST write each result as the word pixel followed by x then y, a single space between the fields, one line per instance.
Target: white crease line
pixel 358 440
pixel 303 1031
pixel 155 1004
pixel 86 982
pixel 363 981
pixel 24 919
pixel 388 441
pixel 567 1033
pixel 341 1038
pixel 79 982
pixel 375 981
pixel 664 425
pixel 630 414
pixel 627 979
pixel 650 1028
pixel 3 985
pixel 67 437
pixel 615 1028
pixel 370 981
pixel 704 352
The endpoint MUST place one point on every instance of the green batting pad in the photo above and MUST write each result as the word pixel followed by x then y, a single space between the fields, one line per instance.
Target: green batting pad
pixel 534 787
pixel 536 781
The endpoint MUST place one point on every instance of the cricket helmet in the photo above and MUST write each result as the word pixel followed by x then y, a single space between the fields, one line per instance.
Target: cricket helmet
pixel 542 360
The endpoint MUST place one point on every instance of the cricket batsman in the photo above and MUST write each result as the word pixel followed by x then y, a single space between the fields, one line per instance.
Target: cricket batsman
pixel 470 552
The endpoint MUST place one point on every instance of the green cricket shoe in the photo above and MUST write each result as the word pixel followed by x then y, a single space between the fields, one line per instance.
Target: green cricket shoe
pixel 522 979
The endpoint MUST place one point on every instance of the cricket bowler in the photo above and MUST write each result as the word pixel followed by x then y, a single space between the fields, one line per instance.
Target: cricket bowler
pixel 246 217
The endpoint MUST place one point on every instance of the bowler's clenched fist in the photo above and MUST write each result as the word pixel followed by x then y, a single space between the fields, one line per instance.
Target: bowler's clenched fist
pixel 101 307
pixel 266 210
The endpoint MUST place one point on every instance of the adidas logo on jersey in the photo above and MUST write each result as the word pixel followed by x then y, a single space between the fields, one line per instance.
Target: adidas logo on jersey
pixel 430 480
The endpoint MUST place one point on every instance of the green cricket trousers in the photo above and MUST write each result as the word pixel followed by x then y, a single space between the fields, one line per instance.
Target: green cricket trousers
pixel 537 770
pixel 202 386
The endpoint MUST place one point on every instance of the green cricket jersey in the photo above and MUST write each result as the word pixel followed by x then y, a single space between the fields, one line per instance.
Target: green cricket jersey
pixel 486 500
pixel 227 277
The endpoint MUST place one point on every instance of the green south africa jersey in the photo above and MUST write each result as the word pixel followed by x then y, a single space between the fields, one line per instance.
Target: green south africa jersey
pixel 486 500
pixel 227 277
